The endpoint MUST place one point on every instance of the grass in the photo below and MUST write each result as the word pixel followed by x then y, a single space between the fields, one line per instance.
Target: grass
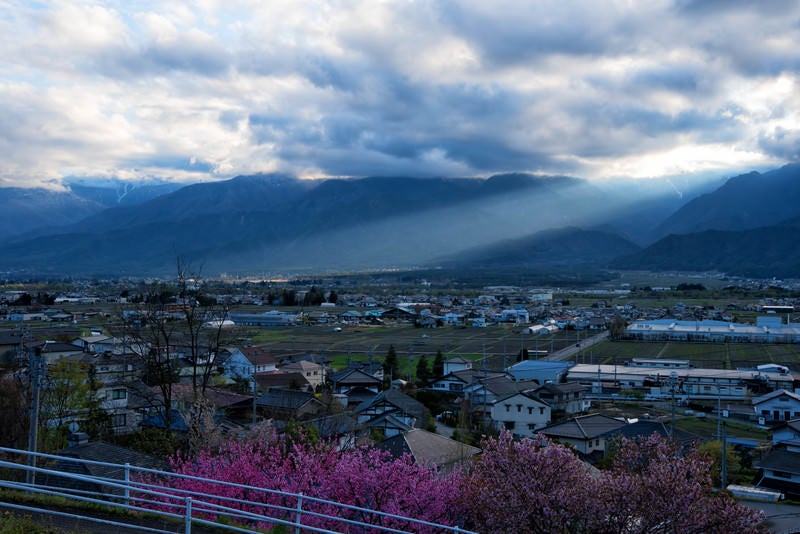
pixel 13 524
pixel 706 428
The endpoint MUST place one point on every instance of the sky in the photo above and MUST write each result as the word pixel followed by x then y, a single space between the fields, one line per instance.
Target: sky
pixel 212 89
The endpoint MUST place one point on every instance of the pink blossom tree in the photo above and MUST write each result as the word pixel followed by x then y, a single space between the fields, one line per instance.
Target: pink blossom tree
pixel 654 486
pixel 528 485
pixel 362 477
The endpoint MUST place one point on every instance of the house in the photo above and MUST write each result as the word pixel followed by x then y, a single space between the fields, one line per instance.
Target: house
pixel 98 343
pixel 11 342
pixel 395 403
pixel 225 403
pixel 566 398
pixel 457 381
pixel 429 449
pixel 240 364
pixel 341 428
pixel 270 318
pixel 586 433
pixel 386 425
pixel 114 399
pixel 53 351
pixel 485 391
pixel 352 379
pixel 234 365
pixel 457 363
pixel 314 373
pixel 778 405
pixel 98 456
pixel 787 431
pixel 280 379
pixel 779 470
pixel 520 413
pixel 261 359
pixel 288 404
pixel 542 371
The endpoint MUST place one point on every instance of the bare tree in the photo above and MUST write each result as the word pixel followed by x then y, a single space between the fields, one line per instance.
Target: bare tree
pixel 204 321
pixel 149 333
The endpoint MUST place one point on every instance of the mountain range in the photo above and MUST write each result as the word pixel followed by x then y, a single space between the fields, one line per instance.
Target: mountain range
pixel 269 224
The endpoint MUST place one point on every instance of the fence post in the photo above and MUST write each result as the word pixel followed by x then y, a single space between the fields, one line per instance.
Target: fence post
pixel 127 484
pixel 188 516
pixel 298 517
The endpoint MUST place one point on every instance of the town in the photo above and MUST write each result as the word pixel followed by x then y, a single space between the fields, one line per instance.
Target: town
pixel 427 373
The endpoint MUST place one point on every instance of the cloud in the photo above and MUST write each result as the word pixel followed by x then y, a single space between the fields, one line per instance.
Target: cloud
pixel 208 90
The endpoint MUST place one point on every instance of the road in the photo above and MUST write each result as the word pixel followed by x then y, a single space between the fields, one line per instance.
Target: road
pixel 568 352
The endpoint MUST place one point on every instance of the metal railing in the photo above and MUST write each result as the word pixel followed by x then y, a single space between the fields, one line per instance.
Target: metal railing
pixel 134 496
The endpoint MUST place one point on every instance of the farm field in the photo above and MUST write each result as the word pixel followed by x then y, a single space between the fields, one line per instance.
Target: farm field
pixel 499 345
pixel 707 355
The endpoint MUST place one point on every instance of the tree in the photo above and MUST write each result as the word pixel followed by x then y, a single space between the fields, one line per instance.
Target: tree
pixel 288 297
pixel 391 368
pixel 713 449
pixel 423 372
pixel 438 365
pixel 654 485
pixel 535 485
pixel 617 329
pixel 150 335
pixel 313 297
pixel 529 485
pixel 14 412
pixel 204 322
pixel 65 397
pixel 333 298
pixel 363 477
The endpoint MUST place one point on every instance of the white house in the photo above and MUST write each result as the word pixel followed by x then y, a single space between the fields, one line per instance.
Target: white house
pixel 457 363
pixel 522 414
pixel 778 405
pixel 788 431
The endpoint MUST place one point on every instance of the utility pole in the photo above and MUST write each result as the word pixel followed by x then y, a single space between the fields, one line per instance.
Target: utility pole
pixel 255 396
pixel 35 371
pixel 724 474
pixel 673 376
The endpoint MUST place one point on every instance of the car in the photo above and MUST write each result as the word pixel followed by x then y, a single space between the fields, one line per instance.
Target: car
pixel 337 329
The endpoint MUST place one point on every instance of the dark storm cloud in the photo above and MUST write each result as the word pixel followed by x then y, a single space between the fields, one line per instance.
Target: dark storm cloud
pixel 428 88
pixel 781 143
pixel 535 30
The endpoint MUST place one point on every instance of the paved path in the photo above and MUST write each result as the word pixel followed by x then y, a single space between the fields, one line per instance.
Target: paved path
pixel 781 518
pixel 572 350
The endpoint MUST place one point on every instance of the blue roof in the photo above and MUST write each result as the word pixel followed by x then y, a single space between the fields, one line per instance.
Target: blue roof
pixel 532 365
pixel 178 423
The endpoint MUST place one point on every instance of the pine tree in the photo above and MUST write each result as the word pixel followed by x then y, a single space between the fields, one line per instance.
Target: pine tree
pixel 423 372
pixel 391 369
pixel 438 365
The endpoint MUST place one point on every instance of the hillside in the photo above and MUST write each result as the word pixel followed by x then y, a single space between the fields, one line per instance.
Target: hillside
pixel 744 202
pixel 763 252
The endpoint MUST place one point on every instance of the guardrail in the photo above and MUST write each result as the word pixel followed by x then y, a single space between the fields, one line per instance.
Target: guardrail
pixel 137 498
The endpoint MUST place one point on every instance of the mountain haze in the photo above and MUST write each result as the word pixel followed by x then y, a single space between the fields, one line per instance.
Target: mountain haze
pixel 562 246
pixel 280 224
